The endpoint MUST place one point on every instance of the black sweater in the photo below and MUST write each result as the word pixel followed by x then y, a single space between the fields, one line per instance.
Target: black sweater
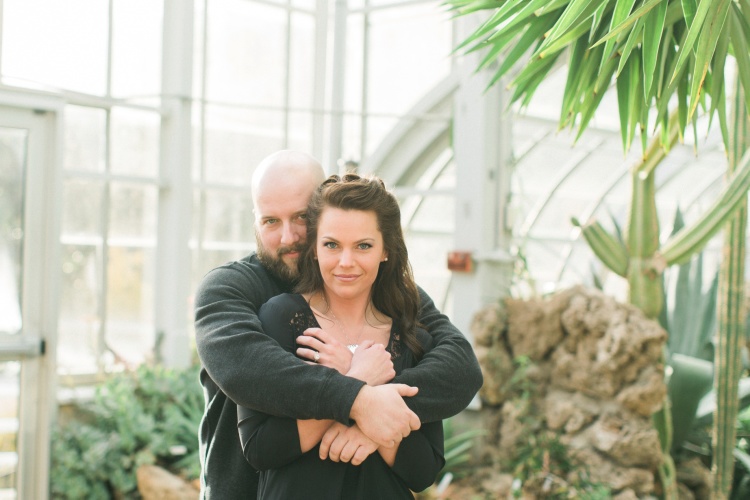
pixel 272 444
pixel 241 365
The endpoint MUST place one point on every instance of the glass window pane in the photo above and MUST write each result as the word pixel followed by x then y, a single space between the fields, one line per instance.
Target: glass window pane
pixel 435 213
pixel 61 44
pixel 398 78
pixel 301 132
pixel 246 48
pixel 79 326
pixel 237 140
pixel 302 61
pixel 12 187
pixel 133 213
pixel 82 208
pixel 229 216
pixel 136 47
pixel 85 138
pixel 130 297
pixel 135 142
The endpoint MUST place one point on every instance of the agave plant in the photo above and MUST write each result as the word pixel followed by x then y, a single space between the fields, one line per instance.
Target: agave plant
pixel 667 59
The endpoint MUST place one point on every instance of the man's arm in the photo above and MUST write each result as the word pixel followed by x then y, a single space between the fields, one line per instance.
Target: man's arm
pixel 448 376
pixel 251 368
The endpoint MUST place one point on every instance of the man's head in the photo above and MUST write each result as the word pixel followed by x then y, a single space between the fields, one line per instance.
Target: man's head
pixel 282 186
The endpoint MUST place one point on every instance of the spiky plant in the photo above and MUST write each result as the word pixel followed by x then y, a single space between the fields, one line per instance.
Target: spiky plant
pixel 667 59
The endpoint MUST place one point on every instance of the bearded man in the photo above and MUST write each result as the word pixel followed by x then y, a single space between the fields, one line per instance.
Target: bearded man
pixel 242 366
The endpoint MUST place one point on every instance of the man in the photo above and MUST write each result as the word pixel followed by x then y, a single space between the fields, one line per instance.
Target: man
pixel 241 365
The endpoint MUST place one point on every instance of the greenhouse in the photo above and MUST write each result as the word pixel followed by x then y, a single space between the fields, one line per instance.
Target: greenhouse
pixel 572 179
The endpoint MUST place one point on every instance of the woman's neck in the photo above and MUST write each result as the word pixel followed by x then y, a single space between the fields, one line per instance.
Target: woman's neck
pixel 349 312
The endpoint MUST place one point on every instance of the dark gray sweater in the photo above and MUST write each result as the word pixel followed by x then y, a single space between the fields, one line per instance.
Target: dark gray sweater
pixel 241 365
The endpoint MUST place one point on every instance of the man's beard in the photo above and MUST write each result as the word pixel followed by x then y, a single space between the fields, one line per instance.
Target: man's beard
pixel 275 264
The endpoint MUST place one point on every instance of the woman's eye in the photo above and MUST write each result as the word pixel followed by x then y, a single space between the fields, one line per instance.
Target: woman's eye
pixel 329 244
pixel 364 246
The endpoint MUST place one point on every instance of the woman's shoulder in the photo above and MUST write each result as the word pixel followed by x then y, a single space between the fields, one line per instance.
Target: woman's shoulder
pixel 286 302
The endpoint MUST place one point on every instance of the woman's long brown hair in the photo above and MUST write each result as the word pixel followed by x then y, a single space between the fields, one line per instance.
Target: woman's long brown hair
pixel 394 291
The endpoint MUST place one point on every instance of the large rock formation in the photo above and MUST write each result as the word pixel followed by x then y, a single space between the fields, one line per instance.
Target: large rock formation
pixel 578 369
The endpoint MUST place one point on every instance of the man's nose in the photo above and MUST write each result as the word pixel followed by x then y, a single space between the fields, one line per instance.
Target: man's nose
pixel 288 234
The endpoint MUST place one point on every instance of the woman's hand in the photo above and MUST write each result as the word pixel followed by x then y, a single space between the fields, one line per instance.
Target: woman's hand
pixel 346 444
pixel 372 364
pixel 331 352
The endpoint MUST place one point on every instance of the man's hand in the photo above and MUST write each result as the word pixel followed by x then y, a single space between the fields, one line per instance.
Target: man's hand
pixel 331 352
pixel 380 412
pixel 346 444
pixel 372 364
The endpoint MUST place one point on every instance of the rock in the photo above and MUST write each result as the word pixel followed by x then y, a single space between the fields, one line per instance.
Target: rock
pixel 593 379
pixel 156 483
pixel 534 325
pixel 632 442
pixel 696 476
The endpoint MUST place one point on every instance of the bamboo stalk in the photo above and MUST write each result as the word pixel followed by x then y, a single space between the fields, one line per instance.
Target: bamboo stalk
pixel 730 301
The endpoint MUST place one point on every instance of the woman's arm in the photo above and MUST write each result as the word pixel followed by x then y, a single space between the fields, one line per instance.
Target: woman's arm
pixel 448 376
pixel 418 459
pixel 248 366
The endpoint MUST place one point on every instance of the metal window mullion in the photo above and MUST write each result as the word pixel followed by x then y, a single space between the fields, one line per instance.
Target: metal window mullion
pixel 338 83
pixel 287 73
pixel 319 78
pixel 365 82
pixel 104 229
pixel 110 47
pixel 203 183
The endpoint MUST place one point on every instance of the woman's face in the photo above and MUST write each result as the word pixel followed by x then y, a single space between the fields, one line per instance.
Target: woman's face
pixel 349 249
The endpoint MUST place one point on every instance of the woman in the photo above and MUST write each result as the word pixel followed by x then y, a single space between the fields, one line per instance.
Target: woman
pixel 356 285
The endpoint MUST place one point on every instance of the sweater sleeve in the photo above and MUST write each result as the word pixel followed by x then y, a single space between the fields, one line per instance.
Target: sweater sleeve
pixel 250 367
pixel 448 376
pixel 420 456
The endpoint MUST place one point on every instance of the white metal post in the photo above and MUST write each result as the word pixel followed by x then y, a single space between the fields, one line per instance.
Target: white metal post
pixel 175 196
pixel 481 149
pixel 338 84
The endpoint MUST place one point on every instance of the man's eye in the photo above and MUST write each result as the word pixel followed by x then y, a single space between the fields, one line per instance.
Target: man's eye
pixel 268 222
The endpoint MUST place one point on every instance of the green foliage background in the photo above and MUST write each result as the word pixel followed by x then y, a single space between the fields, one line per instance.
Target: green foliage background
pixel 148 416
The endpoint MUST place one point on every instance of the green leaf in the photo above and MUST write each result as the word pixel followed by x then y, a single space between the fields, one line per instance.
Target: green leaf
pixel 531 35
pixel 508 9
pixel 667 53
pixel 635 16
pixel 623 105
pixel 563 41
pixel 634 38
pixel 530 78
pixel 594 96
pixel 707 41
pixel 524 15
pixel 693 33
pixel 570 94
pixel 653 26
pixel 619 14
pixel 575 13
pixel 740 44
pixel 716 89
pixel 688 10
pixel 550 6
pixel 693 238
pixel 597 20
pixel 610 250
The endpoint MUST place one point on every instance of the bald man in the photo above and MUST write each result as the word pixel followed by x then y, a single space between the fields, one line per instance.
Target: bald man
pixel 241 365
